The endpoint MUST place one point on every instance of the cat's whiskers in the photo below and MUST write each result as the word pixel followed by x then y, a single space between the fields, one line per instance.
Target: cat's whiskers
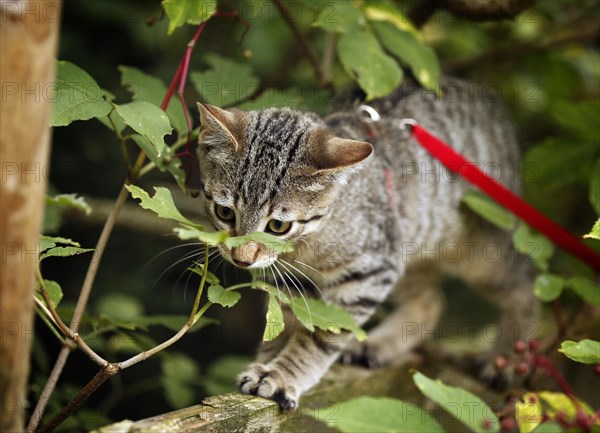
pixel 183 258
pixel 295 268
pixel 284 282
pixel 292 277
pixel 189 244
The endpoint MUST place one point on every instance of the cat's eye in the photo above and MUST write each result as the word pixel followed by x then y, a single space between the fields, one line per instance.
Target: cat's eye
pixel 224 213
pixel 279 227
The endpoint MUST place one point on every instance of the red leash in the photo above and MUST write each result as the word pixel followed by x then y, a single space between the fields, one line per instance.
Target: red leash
pixel 456 163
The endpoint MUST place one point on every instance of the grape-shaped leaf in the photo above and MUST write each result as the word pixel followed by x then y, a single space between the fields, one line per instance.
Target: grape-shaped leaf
pixel 586 351
pixel 226 82
pixel 422 60
pixel 460 403
pixel 148 120
pixel 273 242
pixel 364 60
pixel 167 161
pixel 377 414
pixel 218 295
pixel 328 317
pixel 54 292
pixel 275 324
pixel 536 245
pixel 70 200
pixel 382 10
pixel 586 288
pixel 78 96
pixel 211 238
pixel 548 287
pixel 181 12
pixel 47 242
pixel 595 232
pixel 487 208
pixel 144 87
pixel 340 16
pixel 161 204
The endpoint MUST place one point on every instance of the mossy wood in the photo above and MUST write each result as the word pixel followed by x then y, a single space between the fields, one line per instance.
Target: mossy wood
pixel 243 413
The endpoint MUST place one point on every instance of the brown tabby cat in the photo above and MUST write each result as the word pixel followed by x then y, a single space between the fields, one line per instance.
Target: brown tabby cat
pixel 369 212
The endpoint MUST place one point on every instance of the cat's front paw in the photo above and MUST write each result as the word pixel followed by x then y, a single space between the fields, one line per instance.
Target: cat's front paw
pixel 268 382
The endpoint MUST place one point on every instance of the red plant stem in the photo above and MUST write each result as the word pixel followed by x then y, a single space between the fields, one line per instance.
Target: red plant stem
pixel 174 82
pixel 548 366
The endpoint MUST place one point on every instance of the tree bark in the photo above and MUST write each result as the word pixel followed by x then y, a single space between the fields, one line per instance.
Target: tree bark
pixel 28 39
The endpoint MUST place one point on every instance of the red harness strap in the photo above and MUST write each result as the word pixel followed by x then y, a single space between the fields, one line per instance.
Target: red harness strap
pixel 456 163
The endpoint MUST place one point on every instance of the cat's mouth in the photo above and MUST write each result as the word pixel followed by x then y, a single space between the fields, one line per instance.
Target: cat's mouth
pixel 251 255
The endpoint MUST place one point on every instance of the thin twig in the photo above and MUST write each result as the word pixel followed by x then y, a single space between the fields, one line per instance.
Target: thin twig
pixel 308 50
pixel 79 310
pixel 328 55
pixel 110 369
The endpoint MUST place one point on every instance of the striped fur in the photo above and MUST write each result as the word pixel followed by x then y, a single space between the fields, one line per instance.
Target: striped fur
pixel 363 224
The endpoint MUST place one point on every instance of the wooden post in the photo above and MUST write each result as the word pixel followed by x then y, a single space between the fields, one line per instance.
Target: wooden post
pixel 28 37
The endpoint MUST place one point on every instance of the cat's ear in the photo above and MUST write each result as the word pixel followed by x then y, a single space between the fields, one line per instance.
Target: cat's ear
pixel 334 154
pixel 222 127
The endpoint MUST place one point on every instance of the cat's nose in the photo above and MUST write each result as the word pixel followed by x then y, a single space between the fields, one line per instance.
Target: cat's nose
pixel 245 255
pixel 241 263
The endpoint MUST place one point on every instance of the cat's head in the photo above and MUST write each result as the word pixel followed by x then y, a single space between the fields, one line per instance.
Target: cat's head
pixel 275 171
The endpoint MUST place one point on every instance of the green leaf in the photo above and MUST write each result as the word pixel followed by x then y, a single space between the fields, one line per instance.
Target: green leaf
pixel 585 352
pixel 211 238
pixel 559 161
pixel 78 96
pixel 585 288
pixel 487 208
pixel 469 409
pixel 328 317
pixel 161 204
pixel 210 277
pixel 421 59
pixel 148 120
pixel 273 242
pixel 364 60
pixel 47 242
pixel 559 402
pixel 64 252
pixel 69 200
pixel 595 187
pixel 548 287
pixel 534 244
pixel 178 372
pixel 381 10
pixel 595 233
pixel 226 82
pixel 275 324
pixel 54 292
pixel 377 414
pixel 181 12
pixel 579 117
pixel 120 308
pixel 340 16
pixel 166 162
pixel 528 413
pixel 144 87
pixel 218 295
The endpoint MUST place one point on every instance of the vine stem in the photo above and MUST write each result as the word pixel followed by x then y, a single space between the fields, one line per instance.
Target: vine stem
pixel 304 43
pixel 110 369
pixel 80 306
